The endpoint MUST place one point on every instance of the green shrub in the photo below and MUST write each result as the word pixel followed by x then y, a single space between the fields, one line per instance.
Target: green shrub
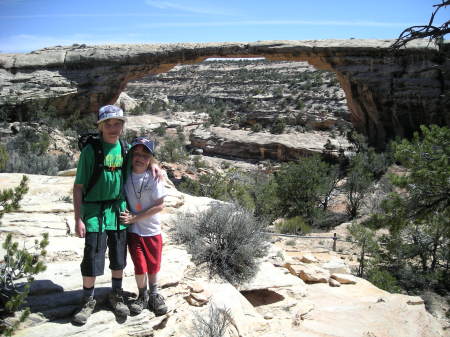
pixel 172 151
pixel 257 127
pixel 304 187
pixel 383 280
pixel 3 157
pixel 267 202
pixel 278 126
pixel 31 163
pixel 199 162
pixel 10 198
pixel 160 130
pixel 228 239
pixel 216 116
pixel 359 180
pixel 190 186
pixel 295 225
pixel 17 263
pixel 81 123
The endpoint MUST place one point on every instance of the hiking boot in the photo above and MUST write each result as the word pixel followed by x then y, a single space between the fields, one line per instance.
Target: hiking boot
pixel 139 304
pixel 87 307
pixel 156 304
pixel 117 303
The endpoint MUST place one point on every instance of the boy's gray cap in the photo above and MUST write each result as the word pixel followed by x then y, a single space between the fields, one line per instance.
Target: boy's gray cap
pixel 109 112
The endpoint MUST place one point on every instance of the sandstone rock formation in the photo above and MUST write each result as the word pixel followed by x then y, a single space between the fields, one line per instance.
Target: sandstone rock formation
pixel 263 145
pixel 275 303
pixel 389 93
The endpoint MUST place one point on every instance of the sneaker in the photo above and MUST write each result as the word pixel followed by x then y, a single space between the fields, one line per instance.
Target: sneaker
pixel 87 307
pixel 156 304
pixel 139 304
pixel 118 304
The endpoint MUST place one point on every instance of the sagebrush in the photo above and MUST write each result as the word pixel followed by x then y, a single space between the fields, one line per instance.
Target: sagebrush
pixel 227 238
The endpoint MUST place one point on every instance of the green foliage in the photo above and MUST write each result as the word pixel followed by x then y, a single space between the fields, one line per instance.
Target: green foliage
pixel 228 239
pixel 359 179
pixel 257 127
pixel 29 140
pixel 234 186
pixel 81 123
pixel 278 126
pixel 428 180
pixel 160 130
pixel 27 154
pixel 383 279
pixel 365 166
pixel 295 225
pixel 17 263
pixel 366 240
pixel 216 116
pixel 3 157
pixel 304 187
pixel 418 217
pixel 10 198
pixel 267 202
pixel 199 162
pixel 172 151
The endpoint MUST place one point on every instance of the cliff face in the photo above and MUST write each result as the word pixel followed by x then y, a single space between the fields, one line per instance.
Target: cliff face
pixel 388 93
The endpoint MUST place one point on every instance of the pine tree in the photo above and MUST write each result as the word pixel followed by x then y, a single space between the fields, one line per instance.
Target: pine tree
pixel 18 263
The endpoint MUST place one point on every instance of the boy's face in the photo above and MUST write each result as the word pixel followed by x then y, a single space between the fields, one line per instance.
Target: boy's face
pixel 111 130
pixel 141 159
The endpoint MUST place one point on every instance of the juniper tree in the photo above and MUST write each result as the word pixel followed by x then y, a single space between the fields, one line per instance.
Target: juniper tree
pixel 417 215
pixel 18 263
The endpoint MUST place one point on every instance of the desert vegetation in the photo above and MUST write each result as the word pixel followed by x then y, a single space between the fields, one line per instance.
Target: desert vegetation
pixel 400 221
pixel 18 266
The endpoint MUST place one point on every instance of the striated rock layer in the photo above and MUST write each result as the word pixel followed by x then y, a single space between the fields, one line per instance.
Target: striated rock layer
pixel 389 93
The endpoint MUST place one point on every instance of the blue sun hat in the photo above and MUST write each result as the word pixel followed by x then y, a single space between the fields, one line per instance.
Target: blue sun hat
pixel 109 112
pixel 149 144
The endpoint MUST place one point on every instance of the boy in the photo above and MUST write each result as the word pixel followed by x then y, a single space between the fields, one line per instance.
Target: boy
pixel 97 211
pixel 145 197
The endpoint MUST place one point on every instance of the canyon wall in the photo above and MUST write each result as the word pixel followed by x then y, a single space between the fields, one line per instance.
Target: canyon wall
pixel 390 93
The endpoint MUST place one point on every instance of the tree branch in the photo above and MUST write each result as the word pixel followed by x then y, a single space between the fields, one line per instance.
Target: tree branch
pixel 426 31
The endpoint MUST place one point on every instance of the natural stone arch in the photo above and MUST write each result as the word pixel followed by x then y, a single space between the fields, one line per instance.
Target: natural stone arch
pixel 387 93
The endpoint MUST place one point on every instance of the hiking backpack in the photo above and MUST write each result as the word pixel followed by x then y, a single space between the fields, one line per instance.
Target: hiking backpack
pixel 95 140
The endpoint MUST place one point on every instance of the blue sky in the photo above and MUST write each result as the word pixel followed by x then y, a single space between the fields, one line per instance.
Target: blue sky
pixel 27 25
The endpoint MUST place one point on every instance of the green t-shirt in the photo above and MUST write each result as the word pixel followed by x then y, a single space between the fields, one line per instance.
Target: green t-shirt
pixel 108 187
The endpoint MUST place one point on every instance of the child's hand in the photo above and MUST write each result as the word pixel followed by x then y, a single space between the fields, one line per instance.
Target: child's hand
pixel 126 217
pixel 157 173
pixel 80 229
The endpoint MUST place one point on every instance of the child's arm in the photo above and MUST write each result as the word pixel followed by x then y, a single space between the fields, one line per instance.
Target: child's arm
pixel 80 229
pixel 128 218
pixel 157 171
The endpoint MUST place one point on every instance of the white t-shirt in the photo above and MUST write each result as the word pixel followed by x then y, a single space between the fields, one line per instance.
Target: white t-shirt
pixel 144 190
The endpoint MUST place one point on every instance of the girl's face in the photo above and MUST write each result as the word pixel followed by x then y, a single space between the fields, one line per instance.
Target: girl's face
pixel 141 159
pixel 111 130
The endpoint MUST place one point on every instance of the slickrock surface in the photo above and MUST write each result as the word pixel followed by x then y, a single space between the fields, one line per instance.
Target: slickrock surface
pixel 275 303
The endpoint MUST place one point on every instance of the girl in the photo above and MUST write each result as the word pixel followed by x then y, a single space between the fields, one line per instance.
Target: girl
pixel 145 197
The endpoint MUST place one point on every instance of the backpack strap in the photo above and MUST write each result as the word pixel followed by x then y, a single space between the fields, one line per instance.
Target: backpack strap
pixel 125 154
pixel 99 158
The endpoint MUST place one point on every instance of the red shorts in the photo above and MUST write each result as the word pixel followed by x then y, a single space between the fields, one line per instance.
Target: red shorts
pixel 145 252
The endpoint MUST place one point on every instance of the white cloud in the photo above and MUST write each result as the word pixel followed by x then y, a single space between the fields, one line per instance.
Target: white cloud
pixel 190 9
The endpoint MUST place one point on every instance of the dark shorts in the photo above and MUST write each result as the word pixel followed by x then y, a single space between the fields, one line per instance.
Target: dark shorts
pixel 93 263
pixel 145 252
